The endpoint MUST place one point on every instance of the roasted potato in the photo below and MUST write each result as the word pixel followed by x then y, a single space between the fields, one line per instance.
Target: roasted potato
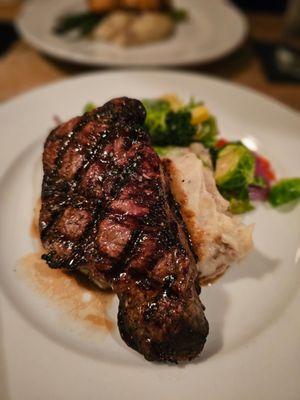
pixel 142 4
pixel 109 5
pixel 103 5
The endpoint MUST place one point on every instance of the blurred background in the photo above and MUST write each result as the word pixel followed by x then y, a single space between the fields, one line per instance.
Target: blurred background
pixel 266 57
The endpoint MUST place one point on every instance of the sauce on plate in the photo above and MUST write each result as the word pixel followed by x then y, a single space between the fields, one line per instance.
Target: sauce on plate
pixel 74 293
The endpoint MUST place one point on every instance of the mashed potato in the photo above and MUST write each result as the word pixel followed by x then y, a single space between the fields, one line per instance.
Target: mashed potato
pixel 129 29
pixel 218 237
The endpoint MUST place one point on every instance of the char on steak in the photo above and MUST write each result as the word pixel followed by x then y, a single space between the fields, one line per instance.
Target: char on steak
pixel 107 210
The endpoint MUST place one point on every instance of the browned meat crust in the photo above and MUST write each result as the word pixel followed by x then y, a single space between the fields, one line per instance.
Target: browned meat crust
pixel 107 210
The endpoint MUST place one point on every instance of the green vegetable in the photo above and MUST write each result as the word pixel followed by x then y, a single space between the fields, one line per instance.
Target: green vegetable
pixel 239 201
pixel 163 151
pixel 89 107
pixel 83 22
pixel 167 127
pixel 179 127
pixel 178 15
pixel 285 191
pixel 156 110
pixel 207 135
pixel 238 206
pixel 193 103
pixel 235 167
pixel 259 181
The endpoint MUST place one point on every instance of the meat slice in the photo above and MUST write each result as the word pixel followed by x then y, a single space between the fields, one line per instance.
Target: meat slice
pixel 111 214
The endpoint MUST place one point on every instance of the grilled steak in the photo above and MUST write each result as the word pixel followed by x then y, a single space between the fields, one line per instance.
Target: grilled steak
pixel 107 210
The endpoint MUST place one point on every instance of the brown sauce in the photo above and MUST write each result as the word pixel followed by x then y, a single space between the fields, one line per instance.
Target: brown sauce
pixel 34 232
pixel 74 294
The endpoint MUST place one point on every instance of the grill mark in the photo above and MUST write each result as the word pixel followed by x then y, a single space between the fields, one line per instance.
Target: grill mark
pixel 128 250
pixel 66 145
pixel 91 152
pixel 101 210
pixel 71 137
pixel 98 214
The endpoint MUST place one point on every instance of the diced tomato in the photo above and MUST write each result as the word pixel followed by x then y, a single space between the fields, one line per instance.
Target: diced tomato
pixel 264 169
pixel 221 143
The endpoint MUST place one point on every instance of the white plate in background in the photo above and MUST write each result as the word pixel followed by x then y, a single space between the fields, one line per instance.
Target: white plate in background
pixel 213 30
pixel 253 348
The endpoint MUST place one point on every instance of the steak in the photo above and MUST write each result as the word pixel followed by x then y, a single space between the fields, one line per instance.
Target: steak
pixel 108 211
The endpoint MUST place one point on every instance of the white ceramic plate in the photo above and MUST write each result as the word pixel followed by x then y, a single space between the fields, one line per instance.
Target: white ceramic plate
pixel 213 30
pixel 253 348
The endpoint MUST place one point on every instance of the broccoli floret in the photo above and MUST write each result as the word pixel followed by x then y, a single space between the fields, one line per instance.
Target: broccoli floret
pixel 167 127
pixel 179 127
pixel 157 111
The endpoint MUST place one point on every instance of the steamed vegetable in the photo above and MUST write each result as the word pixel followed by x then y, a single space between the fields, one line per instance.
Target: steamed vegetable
pixel 168 127
pixel 205 123
pixel 89 107
pixel 259 193
pixel 234 167
pixel 178 15
pixel 237 206
pixel 164 150
pixel 200 114
pixel 208 132
pixel 263 169
pixel 285 191
pixel 84 23
pixel 170 123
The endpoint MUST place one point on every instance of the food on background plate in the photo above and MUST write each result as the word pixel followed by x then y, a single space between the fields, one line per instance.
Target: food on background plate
pixel 109 212
pixel 125 23
pixel 142 5
pixel 128 29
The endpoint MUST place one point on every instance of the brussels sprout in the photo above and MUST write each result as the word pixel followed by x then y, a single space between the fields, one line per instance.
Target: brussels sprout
pixel 238 206
pixel 285 191
pixel 235 167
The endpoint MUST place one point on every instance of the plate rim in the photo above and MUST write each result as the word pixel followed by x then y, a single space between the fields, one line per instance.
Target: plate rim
pixel 157 71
